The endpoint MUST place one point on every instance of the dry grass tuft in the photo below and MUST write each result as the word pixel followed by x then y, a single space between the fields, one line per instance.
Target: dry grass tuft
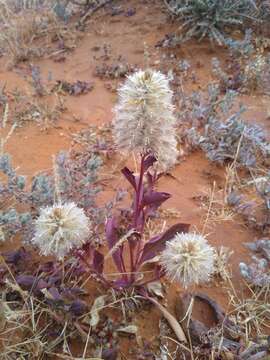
pixel 221 265
pixel 24 326
pixel 252 312
pixel 29 32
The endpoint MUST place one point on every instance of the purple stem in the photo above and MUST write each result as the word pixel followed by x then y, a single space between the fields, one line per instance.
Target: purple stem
pixel 139 197
pixel 123 266
pixel 136 220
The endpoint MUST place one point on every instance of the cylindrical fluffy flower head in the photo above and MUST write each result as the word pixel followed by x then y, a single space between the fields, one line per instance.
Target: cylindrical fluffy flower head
pixel 144 119
pixel 188 259
pixel 61 228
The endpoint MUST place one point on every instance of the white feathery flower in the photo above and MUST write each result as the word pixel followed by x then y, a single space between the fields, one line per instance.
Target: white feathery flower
pixel 60 228
pixel 144 119
pixel 188 259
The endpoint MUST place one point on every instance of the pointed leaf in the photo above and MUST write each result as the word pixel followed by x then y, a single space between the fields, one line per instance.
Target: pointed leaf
pixel 148 162
pixel 155 288
pixel 129 176
pixel 158 243
pixel 78 307
pixel 155 198
pixel 26 282
pixel 112 238
pixel 48 267
pixel 13 257
pixel 98 305
pixel 54 293
pixel 175 325
pixel 42 284
pixel 121 283
pixel 129 329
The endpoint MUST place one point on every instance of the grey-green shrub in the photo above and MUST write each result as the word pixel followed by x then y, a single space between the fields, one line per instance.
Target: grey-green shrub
pixel 212 18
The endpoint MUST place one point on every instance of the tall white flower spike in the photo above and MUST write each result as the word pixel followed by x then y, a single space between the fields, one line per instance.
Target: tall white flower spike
pixel 144 119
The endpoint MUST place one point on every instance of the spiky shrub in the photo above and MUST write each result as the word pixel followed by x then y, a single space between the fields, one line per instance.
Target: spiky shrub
pixel 257 273
pixel 78 180
pixel 11 221
pixel 242 48
pixel 264 12
pixel 17 33
pixel 256 74
pixel 211 18
pixel 22 22
pixel 234 139
pixel 245 74
pixel 263 191
pixel 222 137
pixel 212 125
pixel 75 179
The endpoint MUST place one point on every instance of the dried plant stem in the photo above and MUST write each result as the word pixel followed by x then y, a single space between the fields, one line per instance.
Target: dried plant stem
pixel 138 198
pixel 86 343
pixel 2 259
pixel 57 193
pixel 5 116
pixel 171 320
pixel 189 314
pixel 5 139
pixel 146 56
pixel 209 208
pixel 119 243
pixel 92 10
pixel 238 148
pixel 170 8
pixel 178 343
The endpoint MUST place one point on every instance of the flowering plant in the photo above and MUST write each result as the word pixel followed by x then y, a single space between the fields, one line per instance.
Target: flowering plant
pixel 144 123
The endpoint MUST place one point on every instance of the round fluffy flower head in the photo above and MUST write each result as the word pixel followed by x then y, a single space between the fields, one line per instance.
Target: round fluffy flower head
pixel 60 228
pixel 144 120
pixel 188 258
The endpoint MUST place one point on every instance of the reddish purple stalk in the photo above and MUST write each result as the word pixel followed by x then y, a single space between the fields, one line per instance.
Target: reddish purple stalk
pixel 146 202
